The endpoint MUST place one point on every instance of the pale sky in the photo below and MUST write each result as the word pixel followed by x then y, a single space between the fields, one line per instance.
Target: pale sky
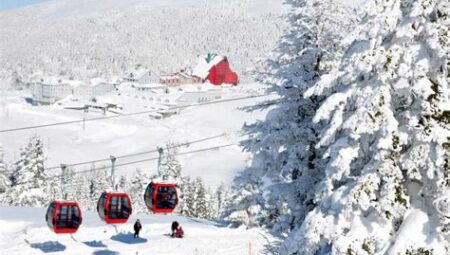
pixel 11 4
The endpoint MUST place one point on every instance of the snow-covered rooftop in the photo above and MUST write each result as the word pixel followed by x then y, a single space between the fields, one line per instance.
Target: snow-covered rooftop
pixel 205 63
pixel 137 73
pixel 52 80
pixel 96 81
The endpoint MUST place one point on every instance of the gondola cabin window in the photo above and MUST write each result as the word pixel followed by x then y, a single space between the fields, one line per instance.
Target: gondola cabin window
pixel 161 197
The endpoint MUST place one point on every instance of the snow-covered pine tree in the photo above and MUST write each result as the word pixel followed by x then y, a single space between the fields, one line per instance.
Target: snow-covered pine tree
pixel 202 209
pixel 222 198
pixel 99 182
pixel 53 188
pixel 4 174
pixel 81 192
pixel 170 167
pixel 28 176
pixel 189 205
pixel 384 137
pixel 29 168
pixel 183 198
pixel 136 188
pixel 277 189
pixel 123 183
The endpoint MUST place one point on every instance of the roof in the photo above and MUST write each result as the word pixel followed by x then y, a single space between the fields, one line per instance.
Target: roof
pixel 176 75
pixel 96 81
pixel 75 83
pixel 138 73
pixel 205 63
pixel 52 80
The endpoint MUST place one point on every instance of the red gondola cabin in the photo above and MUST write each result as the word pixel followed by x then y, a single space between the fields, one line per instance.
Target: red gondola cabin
pixel 114 207
pixel 161 197
pixel 63 217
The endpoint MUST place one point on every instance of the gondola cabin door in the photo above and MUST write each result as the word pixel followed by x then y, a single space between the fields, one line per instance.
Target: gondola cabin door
pixel 114 208
pixel 161 197
pixel 63 217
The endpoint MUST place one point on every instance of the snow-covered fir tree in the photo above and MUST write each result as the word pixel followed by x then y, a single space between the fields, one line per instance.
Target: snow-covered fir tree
pixel 170 168
pixel 123 183
pixel 136 188
pixel 384 125
pixel 202 208
pixel 81 191
pixel 28 178
pixel 355 159
pixel 99 181
pixel 277 189
pixel 222 198
pixel 4 174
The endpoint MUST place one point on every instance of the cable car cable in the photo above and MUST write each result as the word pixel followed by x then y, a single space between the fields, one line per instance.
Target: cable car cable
pixel 131 114
pixel 138 153
pixel 131 163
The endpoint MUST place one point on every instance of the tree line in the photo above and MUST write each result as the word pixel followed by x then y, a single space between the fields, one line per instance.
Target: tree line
pixel 25 182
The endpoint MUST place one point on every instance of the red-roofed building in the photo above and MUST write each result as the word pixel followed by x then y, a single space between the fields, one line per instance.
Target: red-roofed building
pixel 216 69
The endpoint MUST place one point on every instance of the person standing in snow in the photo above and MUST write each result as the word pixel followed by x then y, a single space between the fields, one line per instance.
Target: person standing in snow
pixel 177 230
pixel 174 228
pixel 137 228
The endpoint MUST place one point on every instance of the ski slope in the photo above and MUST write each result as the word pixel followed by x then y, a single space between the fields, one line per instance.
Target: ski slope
pixel 24 231
pixel 99 139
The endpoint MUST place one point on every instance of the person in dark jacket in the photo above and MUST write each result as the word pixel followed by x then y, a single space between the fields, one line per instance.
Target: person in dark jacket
pixel 174 227
pixel 137 228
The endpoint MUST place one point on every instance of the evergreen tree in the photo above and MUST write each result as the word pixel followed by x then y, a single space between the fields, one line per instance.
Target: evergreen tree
pixel 81 192
pixel 190 199
pixel 222 198
pixel 28 176
pixel 170 167
pixel 136 188
pixel 4 175
pixel 384 131
pixel 285 158
pixel 53 188
pixel 123 183
pixel 202 209
pixel 29 169
pixel 99 182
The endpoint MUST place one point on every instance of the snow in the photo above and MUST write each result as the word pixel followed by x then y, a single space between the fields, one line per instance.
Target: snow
pixel 24 230
pixel 416 221
pixel 203 66
pixel 99 139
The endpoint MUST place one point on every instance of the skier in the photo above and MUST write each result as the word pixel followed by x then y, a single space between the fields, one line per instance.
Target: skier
pixel 137 228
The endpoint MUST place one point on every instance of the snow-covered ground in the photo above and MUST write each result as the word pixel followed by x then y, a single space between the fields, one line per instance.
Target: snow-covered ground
pixel 126 135
pixel 24 231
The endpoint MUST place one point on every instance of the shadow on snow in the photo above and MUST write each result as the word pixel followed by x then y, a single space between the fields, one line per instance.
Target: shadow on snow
pixel 105 252
pixel 95 244
pixel 128 238
pixel 49 246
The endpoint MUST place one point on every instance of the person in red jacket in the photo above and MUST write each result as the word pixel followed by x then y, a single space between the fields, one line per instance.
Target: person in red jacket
pixel 179 233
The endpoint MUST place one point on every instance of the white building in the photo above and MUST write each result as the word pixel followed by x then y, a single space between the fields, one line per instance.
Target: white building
pixel 49 90
pixel 96 87
pixel 100 87
pixel 141 76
